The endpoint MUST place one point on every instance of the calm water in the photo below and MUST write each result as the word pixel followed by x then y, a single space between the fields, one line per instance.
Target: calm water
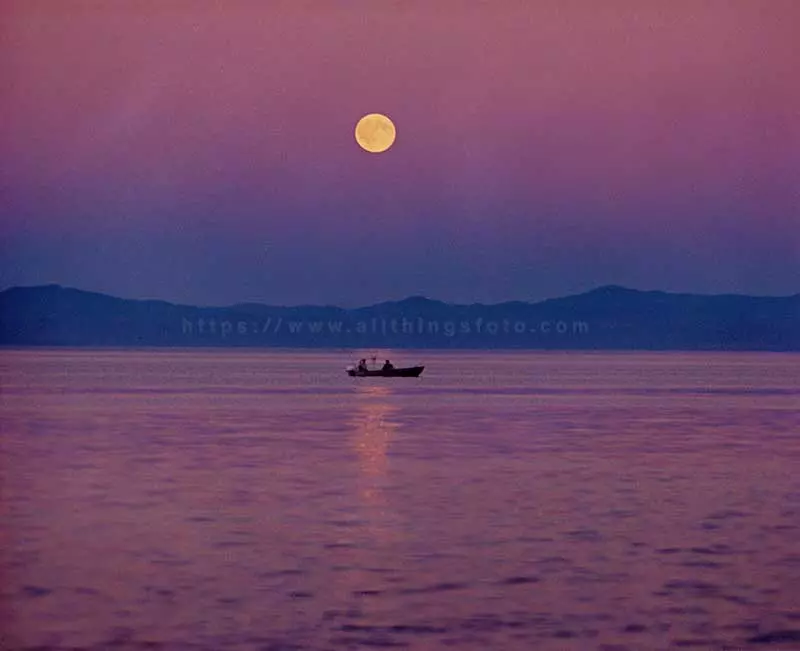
pixel 265 501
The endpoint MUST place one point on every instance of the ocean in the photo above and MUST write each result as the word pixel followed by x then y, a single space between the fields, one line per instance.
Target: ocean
pixel 263 500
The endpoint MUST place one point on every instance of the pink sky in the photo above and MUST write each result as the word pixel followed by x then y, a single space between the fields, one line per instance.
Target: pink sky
pixel 542 148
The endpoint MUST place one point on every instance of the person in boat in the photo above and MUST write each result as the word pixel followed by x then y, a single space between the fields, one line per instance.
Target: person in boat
pixel 362 365
pixel 387 366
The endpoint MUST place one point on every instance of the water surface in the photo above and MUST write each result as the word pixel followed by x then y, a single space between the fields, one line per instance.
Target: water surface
pixel 266 501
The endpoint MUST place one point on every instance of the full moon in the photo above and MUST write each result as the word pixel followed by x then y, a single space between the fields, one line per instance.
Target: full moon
pixel 375 133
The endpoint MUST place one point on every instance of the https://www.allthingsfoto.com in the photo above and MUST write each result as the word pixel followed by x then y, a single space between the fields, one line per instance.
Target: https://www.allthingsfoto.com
pixel 416 326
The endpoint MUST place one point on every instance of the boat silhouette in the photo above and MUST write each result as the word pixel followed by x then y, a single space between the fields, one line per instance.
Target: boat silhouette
pixel 363 371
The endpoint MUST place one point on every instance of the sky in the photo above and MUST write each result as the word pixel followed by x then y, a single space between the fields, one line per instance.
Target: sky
pixel 204 152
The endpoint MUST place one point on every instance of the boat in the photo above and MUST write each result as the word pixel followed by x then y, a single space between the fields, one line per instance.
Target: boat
pixel 410 371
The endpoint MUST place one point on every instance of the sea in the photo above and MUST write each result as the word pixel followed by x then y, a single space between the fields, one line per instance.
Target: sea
pixel 255 500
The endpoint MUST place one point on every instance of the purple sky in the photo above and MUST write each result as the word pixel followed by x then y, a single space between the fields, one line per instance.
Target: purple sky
pixel 204 152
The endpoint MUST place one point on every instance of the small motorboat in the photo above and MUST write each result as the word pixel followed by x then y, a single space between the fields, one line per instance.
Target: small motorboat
pixel 410 371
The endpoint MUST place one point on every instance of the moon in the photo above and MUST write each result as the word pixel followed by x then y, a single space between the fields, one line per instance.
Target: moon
pixel 375 133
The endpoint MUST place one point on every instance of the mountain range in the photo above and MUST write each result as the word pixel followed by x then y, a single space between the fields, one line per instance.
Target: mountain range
pixel 606 318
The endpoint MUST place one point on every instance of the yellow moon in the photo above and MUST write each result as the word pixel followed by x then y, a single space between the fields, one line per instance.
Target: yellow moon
pixel 375 133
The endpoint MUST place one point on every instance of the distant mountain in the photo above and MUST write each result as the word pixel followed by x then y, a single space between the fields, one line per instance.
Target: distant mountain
pixel 607 318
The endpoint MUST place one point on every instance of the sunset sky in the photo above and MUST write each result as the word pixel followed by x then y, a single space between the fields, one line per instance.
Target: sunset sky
pixel 203 152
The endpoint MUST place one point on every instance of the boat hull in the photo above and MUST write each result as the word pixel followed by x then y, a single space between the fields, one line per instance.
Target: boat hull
pixel 411 371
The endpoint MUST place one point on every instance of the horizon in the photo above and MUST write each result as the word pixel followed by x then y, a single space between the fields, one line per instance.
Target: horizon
pixel 390 301
pixel 207 154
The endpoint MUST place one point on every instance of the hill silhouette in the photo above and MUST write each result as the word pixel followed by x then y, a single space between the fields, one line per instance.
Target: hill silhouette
pixel 606 318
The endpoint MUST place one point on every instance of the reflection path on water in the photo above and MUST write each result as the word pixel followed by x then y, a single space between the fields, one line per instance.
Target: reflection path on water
pixel 374 430
pixel 365 546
